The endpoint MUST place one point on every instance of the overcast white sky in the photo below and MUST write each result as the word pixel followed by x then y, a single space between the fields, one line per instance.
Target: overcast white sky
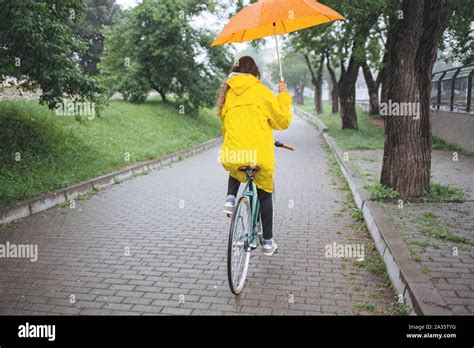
pixel 127 3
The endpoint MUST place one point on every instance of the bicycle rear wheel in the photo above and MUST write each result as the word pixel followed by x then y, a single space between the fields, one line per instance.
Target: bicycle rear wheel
pixel 238 254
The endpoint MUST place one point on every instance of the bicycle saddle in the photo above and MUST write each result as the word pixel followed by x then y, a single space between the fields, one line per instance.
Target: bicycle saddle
pixel 245 168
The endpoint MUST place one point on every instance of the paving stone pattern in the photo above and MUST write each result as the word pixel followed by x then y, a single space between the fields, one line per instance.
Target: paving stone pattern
pixel 157 244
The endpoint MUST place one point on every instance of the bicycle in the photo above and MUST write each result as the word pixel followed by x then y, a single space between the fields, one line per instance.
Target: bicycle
pixel 246 232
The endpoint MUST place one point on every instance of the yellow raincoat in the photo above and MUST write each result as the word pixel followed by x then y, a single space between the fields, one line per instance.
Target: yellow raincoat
pixel 250 113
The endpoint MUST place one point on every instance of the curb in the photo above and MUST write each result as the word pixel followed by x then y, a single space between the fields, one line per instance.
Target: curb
pixel 53 198
pixel 405 274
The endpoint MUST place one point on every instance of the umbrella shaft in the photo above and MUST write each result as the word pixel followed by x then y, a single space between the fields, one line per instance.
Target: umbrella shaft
pixel 278 52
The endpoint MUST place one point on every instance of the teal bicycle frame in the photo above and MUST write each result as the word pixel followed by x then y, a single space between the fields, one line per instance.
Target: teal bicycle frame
pixel 249 191
pixel 245 236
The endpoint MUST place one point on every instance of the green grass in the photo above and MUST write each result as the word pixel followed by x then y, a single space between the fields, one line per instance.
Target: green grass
pixel 358 215
pixel 380 193
pixel 398 308
pixel 369 307
pixel 374 264
pixel 421 243
pixel 89 194
pixel 368 137
pixel 437 193
pixel 59 151
pixel 444 233
pixel 440 193
pixel 308 105
pixel 431 225
pixel 426 271
pixel 414 255
pixel 5 227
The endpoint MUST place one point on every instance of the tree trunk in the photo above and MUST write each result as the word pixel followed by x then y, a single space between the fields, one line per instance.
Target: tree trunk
pixel 299 95
pixel 316 79
pixel 315 98
pixel 163 96
pixel 301 88
pixel 348 110
pixel 384 84
pixel 407 150
pixel 334 88
pixel 319 87
pixel 384 74
pixel 330 87
pixel 373 87
pixel 347 95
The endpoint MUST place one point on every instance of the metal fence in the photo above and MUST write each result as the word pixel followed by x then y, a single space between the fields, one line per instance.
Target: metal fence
pixel 452 89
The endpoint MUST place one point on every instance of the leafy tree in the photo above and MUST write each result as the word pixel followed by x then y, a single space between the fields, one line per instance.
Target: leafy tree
pixel 38 47
pixel 374 61
pixel 240 4
pixel 314 44
pixel 296 74
pixel 343 45
pixel 458 34
pixel 97 13
pixel 361 16
pixel 156 48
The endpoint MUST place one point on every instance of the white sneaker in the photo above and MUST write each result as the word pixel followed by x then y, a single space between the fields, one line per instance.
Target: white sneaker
pixel 229 205
pixel 269 249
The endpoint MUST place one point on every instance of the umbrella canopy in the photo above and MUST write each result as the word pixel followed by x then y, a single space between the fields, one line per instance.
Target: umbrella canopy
pixel 256 21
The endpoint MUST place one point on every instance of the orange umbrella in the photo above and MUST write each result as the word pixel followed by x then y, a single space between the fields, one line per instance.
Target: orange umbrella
pixel 274 17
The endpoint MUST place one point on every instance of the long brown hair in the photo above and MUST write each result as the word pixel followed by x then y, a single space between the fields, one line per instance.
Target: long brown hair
pixel 245 65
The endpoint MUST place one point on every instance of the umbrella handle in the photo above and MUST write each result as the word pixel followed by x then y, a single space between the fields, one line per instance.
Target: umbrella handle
pixel 278 53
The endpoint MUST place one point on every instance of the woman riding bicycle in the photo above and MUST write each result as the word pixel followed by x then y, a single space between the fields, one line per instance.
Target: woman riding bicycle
pixel 250 112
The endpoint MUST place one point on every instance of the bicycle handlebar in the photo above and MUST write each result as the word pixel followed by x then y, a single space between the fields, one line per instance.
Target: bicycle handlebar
pixel 285 146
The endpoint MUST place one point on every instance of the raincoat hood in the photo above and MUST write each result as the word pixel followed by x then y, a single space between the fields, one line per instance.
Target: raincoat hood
pixel 239 82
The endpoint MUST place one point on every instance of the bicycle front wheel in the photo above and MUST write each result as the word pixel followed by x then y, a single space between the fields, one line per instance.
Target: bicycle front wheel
pixel 238 253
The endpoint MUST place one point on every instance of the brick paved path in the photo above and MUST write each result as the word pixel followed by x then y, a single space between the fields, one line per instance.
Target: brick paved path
pixel 156 241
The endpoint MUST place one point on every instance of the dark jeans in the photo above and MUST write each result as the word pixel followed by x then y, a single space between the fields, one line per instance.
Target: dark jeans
pixel 266 206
